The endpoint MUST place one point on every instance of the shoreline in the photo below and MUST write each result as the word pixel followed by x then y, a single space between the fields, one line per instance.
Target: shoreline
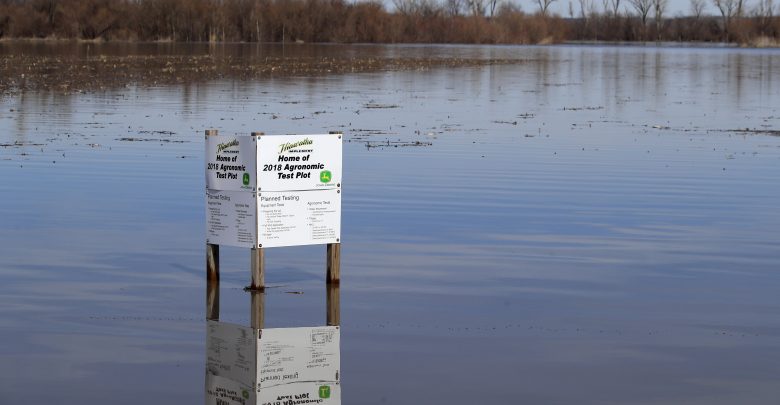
pixel 758 43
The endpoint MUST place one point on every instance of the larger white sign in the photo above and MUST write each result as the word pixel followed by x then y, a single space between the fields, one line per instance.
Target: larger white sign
pixel 296 218
pixel 273 190
pixel 299 162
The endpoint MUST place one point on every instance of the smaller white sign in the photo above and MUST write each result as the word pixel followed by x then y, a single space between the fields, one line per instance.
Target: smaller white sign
pixel 298 162
pixel 296 218
pixel 295 355
pixel 231 163
pixel 231 218
pixel 231 352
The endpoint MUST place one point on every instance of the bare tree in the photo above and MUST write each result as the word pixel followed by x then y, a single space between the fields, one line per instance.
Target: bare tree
pixel 492 4
pixel 642 8
pixel 615 7
pixel 765 13
pixel 406 7
pixel 453 7
pixel 585 6
pixel 544 5
pixel 477 7
pixel 727 8
pixel 765 9
pixel 659 6
pixel 697 8
pixel 740 8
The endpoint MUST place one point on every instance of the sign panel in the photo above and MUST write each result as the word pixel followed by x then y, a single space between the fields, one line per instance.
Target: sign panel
pixel 296 355
pixel 231 352
pixel 299 162
pixel 231 218
pixel 295 218
pixel 231 163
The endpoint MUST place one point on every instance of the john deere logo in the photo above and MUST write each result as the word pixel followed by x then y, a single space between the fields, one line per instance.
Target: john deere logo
pixel 245 394
pixel 324 391
pixel 246 179
pixel 325 176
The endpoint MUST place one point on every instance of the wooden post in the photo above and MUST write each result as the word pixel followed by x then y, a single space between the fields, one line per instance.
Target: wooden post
pixel 212 250
pixel 258 310
pixel 212 263
pixel 258 256
pixel 258 269
pixel 333 254
pixel 212 301
pixel 333 305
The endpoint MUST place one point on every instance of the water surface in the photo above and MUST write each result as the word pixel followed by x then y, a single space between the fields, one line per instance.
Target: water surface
pixel 588 225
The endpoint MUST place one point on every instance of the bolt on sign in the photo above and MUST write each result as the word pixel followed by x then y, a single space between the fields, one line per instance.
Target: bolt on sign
pixel 273 190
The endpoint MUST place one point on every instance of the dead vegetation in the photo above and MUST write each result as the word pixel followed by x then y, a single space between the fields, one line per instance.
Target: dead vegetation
pixel 68 74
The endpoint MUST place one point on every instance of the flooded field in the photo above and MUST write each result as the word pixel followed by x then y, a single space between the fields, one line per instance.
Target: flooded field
pixel 520 224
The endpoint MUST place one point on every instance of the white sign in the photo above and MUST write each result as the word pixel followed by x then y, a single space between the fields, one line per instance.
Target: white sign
pixel 273 190
pixel 292 355
pixel 298 218
pixel 231 163
pixel 231 218
pixel 299 162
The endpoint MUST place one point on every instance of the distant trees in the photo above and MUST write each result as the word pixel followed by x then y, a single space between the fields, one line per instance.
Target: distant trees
pixel 660 8
pixel 642 8
pixel 544 5
pixel 728 9
pixel 443 21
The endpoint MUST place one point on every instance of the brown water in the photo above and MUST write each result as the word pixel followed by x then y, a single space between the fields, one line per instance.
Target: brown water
pixel 588 225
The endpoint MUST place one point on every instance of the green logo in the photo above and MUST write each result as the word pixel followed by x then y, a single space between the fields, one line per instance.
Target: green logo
pixel 246 179
pixel 245 394
pixel 325 176
pixel 324 391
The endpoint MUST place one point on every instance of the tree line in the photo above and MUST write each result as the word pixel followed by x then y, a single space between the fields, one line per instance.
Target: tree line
pixel 407 21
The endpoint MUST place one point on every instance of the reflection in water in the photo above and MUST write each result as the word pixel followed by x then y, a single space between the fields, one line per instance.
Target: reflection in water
pixel 271 366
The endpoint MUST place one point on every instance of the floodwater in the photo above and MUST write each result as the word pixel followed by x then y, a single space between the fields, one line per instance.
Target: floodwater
pixel 587 225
